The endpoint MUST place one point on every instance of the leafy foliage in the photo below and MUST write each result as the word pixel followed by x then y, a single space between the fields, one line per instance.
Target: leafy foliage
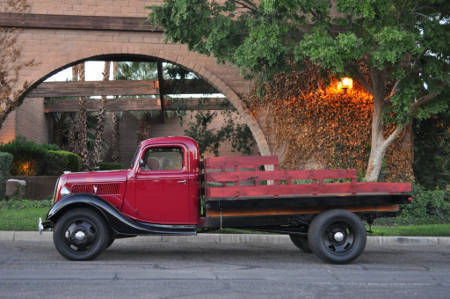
pixel 136 71
pixel 432 151
pixel 59 161
pixel 36 159
pixel 322 126
pixel 110 166
pixel 397 50
pixel 427 206
pixel 5 166
pixel 11 67
pixel 210 139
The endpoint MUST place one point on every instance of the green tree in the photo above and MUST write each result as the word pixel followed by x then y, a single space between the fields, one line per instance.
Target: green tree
pixel 397 49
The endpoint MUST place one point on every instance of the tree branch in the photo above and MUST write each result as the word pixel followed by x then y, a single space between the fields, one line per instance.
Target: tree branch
pixel 388 141
pixel 422 100
pixel 247 4
pixel 357 74
pixel 393 91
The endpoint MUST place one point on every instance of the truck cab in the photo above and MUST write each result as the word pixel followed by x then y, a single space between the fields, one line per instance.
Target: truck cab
pixel 161 186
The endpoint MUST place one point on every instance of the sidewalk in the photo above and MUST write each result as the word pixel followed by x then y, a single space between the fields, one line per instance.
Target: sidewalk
pixel 256 239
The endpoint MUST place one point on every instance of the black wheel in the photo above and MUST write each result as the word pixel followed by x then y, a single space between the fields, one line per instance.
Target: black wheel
pixel 80 234
pixel 301 242
pixel 337 236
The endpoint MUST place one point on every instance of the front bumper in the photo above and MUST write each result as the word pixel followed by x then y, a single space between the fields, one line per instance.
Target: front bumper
pixel 44 225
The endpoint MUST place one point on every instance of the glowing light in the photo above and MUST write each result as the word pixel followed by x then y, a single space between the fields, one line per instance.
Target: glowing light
pixel 345 83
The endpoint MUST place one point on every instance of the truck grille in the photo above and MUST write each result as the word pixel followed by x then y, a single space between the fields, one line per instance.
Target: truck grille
pixel 101 188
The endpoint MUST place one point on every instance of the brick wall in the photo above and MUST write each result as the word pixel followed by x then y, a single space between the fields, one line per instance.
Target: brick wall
pixel 53 50
pixel 8 130
pixel 31 122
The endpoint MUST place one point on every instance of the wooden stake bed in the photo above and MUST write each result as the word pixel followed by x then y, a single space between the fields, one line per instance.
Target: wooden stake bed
pixel 253 186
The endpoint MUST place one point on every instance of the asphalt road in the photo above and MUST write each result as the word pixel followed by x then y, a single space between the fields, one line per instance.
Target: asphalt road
pixel 137 268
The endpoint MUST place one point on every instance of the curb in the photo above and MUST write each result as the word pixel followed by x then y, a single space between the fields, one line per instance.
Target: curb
pixel 255 239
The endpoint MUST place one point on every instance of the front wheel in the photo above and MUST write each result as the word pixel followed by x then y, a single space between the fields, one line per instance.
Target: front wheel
pixel 80 234
pixel 337 236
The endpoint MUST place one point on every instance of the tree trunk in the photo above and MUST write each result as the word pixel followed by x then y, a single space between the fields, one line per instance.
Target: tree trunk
pixel 82 123
pixel 115 144
pixel 101 120
pixel 115 137
pixel 379 144
pixel 71 144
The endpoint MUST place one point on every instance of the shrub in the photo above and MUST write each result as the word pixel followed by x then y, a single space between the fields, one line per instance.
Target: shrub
pixel 5 166
pixel 29 157
pixel 110 166
pixel 39 159
pixel 428 206
pixel 59 161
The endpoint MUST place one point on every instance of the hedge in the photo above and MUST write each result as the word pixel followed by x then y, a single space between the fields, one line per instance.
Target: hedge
pixel 5 166
pixel 29 157
pixel 39 159
pixel 59 161
pixel 110 166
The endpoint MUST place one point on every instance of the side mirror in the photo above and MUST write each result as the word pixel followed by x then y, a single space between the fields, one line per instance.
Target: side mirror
pixel 141 163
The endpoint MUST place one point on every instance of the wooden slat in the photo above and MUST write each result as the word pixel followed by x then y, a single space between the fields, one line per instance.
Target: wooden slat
pixel 383 187
pixel 307 189
pixel 94 88
pixel 75 22
pixel 239 162
pixel 282 175
pixel 119 87
pixel 140 104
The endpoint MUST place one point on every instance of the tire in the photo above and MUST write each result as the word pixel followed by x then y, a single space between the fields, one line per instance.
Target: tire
pixel 80 234
pixel 301 243
pixel 337 236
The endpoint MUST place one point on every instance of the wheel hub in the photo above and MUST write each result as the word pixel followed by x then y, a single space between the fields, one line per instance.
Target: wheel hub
pixel 338 236
pixel 79 235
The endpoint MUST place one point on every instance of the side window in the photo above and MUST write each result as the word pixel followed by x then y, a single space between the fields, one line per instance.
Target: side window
pixel 163 158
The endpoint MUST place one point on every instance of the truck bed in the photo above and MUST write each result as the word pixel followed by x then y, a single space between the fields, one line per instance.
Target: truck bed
pixel 253 186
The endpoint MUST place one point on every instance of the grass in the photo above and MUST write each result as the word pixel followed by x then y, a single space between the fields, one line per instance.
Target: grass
pixel 430 230
pixel 22 214
pixel 24 219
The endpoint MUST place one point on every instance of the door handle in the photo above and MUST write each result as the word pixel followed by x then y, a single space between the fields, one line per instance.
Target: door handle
pixel 181 182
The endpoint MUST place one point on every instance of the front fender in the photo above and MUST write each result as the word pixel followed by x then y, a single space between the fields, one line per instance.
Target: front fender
pixel 119 223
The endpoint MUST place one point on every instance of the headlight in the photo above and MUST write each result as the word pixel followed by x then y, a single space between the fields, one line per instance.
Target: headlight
pixel 64 191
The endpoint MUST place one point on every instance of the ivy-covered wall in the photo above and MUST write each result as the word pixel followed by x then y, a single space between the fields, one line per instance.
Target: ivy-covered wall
pixel 314 124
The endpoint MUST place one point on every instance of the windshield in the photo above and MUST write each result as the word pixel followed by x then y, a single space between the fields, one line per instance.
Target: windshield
pixel 134 157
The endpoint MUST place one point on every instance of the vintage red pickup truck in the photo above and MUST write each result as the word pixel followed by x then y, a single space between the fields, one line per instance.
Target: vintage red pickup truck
pixel 169 191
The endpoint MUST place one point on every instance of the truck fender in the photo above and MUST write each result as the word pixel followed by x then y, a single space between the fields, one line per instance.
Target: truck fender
pixel 121 225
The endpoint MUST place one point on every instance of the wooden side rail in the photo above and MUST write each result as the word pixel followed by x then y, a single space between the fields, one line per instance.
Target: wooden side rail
pixel 289 183
pixel 286 175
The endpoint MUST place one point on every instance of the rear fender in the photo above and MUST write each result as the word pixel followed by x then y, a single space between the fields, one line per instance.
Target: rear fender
pixel 120 224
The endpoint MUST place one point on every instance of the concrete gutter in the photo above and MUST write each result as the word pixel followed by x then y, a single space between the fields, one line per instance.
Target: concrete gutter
pixel 254 239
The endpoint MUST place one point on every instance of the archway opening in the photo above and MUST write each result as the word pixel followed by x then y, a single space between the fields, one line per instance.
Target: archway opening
pixel 179 105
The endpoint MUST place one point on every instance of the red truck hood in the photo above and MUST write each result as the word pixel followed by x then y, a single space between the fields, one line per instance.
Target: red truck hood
pixel 110 176
pixel 110 185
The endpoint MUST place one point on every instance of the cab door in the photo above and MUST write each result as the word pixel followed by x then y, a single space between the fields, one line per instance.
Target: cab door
pixel 162 186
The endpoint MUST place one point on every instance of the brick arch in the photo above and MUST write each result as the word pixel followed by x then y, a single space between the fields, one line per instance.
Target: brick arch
pixel 48 67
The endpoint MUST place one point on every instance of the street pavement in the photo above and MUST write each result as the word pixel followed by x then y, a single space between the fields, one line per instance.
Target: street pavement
pixel 148 268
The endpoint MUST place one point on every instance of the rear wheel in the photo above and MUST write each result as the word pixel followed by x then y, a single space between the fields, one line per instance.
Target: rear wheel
pixel 301 242
pixel 337 236
pixel 80 234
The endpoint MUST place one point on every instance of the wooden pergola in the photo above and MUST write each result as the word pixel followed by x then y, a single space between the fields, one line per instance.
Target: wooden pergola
pixel 132 95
